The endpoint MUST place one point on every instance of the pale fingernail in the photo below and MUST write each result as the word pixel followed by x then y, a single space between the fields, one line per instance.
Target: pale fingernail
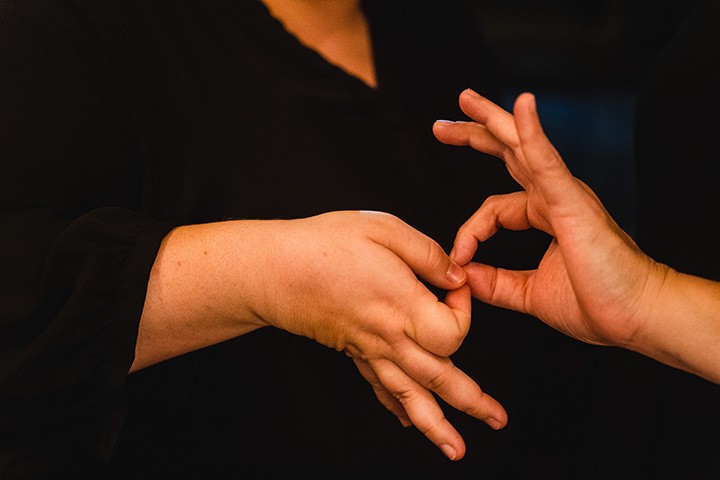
pixel 448 451
pixel 455 273
pixel 494 424
pixel 444 122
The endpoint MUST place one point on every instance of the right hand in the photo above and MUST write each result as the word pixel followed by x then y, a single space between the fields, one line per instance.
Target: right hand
pixel 348 280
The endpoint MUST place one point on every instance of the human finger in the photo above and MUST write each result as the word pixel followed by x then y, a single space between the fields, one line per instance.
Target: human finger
pixel 541 157
pixel 500 124
pixel 441 327
pixel 497 211
pixel 461 134
pixel 423 410
pixel 412 382
pixel 383 395
pixel 498 286
pixel 498 121
pixel 460 302
pixel 422 254
pixel 560 189
pixel 432 324
pixel 439 375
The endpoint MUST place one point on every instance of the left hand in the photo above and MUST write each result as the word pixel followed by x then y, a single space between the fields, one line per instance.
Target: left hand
pixel 589 284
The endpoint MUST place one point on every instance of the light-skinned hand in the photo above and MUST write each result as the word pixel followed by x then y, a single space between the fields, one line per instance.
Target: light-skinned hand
pixel 350 280
pixel 593 283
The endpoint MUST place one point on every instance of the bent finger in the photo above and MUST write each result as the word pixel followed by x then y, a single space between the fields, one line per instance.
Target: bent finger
pixel 441 376
pixel 496 119
pixel 383 395
pixel 422 408
pixel 494 132
pixel 497 211
pixel 440 327
pixel 422 254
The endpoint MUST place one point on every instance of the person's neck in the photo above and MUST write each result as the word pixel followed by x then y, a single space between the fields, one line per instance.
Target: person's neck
pixel 336 29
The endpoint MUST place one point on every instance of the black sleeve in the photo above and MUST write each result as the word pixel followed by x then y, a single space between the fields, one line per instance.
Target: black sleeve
pixel 75 251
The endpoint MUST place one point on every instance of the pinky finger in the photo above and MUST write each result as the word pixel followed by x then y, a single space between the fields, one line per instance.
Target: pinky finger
pixel 383 395
pixel 422 408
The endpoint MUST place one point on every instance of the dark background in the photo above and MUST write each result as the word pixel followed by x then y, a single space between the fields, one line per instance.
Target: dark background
pixel 584 61
pixel 587 62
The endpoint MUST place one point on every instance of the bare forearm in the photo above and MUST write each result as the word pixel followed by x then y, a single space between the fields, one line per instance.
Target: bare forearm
pixel 348 280
pixel 187 306
pixel 683 328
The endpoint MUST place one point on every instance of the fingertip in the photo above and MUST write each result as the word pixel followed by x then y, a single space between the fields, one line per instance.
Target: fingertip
pixel 445 133
pixel 460 302
pixel 525 101
pixel 499 419
pixel 451 452
pixel 463 249
pixel 405 421
pixel 529 127
pixel 469 92
pixel 527 96
pixel 481 279
pixel 469 100
pixel 495 424
pixel 439 127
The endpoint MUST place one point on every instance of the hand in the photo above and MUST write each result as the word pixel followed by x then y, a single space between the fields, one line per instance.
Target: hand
pixel 348 280
pixel 593 283
pixel 353 287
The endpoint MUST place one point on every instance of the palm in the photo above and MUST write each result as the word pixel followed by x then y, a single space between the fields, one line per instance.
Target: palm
pixel 552 298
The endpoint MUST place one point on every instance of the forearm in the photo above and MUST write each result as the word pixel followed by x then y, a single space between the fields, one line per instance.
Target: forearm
pixel 683 328
pixel 188 304
pixel 348 280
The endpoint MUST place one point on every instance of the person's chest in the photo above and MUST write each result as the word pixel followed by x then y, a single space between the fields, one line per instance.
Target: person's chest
pixel 241 120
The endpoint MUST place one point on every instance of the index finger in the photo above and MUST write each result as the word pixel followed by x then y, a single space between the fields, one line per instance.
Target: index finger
pixel 421 253
pixel 436 326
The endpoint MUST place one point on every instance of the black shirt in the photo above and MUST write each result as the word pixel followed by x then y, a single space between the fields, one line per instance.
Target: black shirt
pixel 122 119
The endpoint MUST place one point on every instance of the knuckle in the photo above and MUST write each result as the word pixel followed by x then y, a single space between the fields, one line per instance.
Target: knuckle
pixel 513 145
pixel 434 256
pixel 438 381
pixel 452 343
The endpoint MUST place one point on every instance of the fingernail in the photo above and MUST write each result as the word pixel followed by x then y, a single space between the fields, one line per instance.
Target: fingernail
pixel 455 273
pixel 494 424
pixel 448 451
pixel 444 122
pixel 472 92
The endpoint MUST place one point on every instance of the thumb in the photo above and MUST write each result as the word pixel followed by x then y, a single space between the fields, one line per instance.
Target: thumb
pixel 543 160
pixel 498 287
